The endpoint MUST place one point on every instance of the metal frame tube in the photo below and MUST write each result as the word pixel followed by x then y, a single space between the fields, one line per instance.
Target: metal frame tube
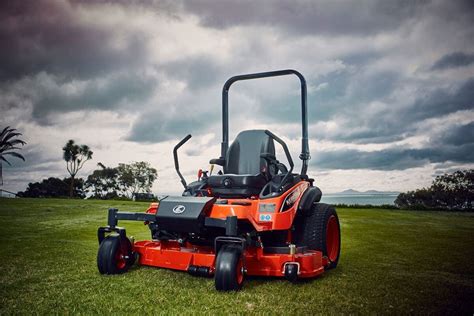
pixel 304 156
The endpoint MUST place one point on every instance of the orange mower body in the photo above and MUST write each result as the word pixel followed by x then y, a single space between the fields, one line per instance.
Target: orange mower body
pixel 253 218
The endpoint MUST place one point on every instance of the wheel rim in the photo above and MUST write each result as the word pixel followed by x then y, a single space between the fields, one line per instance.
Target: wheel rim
pixel 332 238
pixel 120 261
pixel 240 273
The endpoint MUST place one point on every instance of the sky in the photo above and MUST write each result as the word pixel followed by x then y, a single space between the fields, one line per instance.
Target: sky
pixel 390 85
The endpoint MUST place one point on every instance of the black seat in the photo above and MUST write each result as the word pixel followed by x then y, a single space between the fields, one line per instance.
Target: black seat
pixel 245 172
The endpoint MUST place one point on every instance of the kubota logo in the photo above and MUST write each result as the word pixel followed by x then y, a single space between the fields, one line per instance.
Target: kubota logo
pixel 178 209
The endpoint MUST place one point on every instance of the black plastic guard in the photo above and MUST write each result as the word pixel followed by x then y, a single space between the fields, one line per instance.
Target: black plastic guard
pixel 310 196
pixel 183 214
pixel 101 231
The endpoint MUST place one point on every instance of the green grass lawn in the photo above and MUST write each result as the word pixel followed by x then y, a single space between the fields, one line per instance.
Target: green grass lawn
pixel 391 262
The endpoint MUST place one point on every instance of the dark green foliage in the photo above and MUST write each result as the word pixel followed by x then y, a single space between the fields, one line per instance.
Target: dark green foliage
pixel 127 180
pixel 53 187
pixel 454 192
pixel 8 145
pixel 103 183
pixel 145 197
pixel 136 177
pixel 367 206
pixel 75 157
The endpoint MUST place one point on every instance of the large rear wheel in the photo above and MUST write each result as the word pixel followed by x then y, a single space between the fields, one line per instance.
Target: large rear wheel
pixel 229 274
pixel 319 229
pixel 115 255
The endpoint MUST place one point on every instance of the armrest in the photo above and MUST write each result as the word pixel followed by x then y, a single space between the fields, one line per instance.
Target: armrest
pixel 217 161
pixel 268 156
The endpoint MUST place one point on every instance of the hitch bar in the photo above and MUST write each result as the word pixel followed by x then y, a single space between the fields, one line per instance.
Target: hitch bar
pixel 114 216
pixel 229 224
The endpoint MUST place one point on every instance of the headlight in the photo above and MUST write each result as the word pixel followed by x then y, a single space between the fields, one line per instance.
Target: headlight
pixel 290 200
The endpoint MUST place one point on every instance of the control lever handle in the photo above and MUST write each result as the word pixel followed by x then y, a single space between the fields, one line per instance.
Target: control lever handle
pixel 176 162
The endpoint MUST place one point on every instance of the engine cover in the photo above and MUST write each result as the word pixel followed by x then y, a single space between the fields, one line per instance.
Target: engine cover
pixel 183 214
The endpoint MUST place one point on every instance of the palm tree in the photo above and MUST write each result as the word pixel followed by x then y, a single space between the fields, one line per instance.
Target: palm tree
pixel 75 157
pixel 8 144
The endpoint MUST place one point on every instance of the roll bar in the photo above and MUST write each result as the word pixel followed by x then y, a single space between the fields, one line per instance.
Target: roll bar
pixel 304 156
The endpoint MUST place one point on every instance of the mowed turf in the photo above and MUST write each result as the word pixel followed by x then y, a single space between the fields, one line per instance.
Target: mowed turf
pixel 391 262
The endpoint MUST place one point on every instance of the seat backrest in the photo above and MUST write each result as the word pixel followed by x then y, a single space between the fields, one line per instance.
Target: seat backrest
pixel 243 156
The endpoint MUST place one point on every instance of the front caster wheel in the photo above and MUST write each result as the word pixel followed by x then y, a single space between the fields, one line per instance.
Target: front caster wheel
pixel 229 274
pixel 291 272
pixel 115 255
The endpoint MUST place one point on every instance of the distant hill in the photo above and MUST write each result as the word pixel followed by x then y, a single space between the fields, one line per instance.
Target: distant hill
pixel 349 191
pixel 355 192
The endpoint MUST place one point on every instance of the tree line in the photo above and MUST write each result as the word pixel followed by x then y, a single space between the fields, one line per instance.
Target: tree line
pixel 451 192
pixel 123 181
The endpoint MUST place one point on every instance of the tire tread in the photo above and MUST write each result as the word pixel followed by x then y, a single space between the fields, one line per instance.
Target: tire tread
pixel 106 255
pixel 311 229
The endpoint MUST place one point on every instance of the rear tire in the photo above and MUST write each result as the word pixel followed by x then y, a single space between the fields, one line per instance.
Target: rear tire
pixel 229 274
pixel 115 255
pixel 319 230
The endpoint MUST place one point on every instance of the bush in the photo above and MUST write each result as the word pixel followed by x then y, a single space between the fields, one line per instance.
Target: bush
pixel 452 192
pixel 53 187
pixel 367 206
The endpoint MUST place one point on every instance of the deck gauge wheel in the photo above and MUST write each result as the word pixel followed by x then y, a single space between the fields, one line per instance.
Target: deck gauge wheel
pixel 229 274
pixel 291 272
pixel 115 255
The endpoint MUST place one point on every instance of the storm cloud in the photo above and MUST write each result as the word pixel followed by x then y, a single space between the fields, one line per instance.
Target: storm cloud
pixel 308 17
pixel 54 37
pixel 456 146
pixel 394 123
pixel 390 84
pixel 454 60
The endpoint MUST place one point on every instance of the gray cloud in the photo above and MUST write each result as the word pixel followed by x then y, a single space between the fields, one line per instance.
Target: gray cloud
pixel 308 17
pixel 365 62
pixel 393 159
pixel 440 102
pixel 455 145
pixel 36 160
pixel 453 60
pixel 52 95
pixel 118 90
pixel 188 115
pixel 57 61
pixel 152 129
pixel 456 136
pixel 348 95
pixel 395 123
pixel 49 36
pixel 198 72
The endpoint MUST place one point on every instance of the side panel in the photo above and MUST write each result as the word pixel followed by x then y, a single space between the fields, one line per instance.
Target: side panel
pixel 263 214
pixel 170 255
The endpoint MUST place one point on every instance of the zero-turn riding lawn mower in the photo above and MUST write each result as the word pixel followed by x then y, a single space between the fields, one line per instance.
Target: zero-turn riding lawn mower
pixel 255 218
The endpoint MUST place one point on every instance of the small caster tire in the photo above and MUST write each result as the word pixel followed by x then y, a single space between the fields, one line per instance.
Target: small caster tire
pixel 291 272
pixel 115 255
pixel 229 274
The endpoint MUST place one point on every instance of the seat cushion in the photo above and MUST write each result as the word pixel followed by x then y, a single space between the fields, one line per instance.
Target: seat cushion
pixel 243 155
pixel 245 172
pixel 235 186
